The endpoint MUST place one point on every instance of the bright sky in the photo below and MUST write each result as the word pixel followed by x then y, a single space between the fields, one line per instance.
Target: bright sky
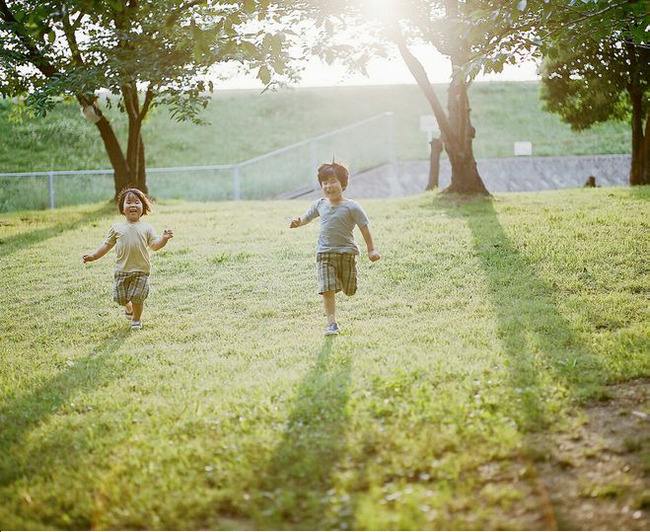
pixel 383 72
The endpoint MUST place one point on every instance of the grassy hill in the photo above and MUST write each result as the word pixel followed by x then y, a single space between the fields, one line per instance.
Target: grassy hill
pixel 244 124
pixel 486 327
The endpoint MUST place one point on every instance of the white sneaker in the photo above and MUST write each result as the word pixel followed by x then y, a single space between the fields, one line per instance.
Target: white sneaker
pixel 332 329
pixel 136 325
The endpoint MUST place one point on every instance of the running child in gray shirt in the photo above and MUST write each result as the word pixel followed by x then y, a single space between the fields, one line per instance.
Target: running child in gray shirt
pixel 336 252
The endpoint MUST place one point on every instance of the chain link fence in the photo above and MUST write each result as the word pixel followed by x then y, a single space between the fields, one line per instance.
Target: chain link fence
pixel 361 145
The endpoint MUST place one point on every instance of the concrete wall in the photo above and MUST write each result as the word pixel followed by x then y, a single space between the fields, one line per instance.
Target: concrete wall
pixel 540 173
pixel 510 174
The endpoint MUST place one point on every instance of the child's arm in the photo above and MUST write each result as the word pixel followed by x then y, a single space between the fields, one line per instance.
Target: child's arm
pixel 99 253
pixel 160 243
pixel 311 213
pixel 373 254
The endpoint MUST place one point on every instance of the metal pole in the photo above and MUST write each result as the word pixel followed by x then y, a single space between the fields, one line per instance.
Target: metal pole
pixel 314 161
pixel 50 188
pixel 392 151
pixel 236 191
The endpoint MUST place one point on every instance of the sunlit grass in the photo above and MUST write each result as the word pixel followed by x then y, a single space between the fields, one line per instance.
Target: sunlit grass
pixel 483 322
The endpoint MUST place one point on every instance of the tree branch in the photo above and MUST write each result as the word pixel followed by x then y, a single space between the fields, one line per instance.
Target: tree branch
pixel 598 13
pixel 128 102
pixel 174 15
pixel 76 23
pixel 69 30
pixel 34 55
pixel 420 75
pixel 148 98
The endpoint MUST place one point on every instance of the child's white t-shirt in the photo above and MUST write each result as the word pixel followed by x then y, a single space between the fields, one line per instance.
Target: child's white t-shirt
pixel 131 241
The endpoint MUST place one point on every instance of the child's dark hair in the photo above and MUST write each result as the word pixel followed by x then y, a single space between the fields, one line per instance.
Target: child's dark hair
pixel 328 170
pixel 146 204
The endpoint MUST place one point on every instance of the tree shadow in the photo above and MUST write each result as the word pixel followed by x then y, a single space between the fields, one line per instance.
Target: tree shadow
pixel 547 367
pixel 641 192
pixel 293 491
pixel 15 243
pixel 20 415
pixel 542 350
pixel 542 355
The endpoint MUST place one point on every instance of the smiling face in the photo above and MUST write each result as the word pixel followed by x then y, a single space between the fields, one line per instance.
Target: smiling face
pixel 132 207
pixel 333 180
pixel 331 188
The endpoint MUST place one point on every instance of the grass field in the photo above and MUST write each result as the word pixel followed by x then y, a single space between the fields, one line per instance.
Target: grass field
pixel 485 324
pixel 245 124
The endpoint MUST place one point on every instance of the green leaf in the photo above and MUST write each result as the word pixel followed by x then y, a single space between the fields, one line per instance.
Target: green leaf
pixel 249 50
pixel 267 43
pixel 264 74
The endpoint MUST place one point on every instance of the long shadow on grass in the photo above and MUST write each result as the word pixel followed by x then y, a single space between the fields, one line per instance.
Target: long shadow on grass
pixel 293 491
pixel 550 366
pixel 20 415
pixel 20 241
pixel 543 352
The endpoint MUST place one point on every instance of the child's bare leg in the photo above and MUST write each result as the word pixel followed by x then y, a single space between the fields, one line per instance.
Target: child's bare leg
pixel 137 311
pixel 329 300
pixel 128 308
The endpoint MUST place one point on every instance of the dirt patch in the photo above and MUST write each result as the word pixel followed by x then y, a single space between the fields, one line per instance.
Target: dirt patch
pixel 598 475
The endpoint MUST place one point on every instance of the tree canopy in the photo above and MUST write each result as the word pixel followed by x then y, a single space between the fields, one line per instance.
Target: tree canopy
pixel 587 82
pixel 354 31
pixel 143 53
pixel 596 57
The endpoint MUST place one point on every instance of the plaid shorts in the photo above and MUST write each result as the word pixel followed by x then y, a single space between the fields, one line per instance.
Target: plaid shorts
pixel 130 286
pixel 337 271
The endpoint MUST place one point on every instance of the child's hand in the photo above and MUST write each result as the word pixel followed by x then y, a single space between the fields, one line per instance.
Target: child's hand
pixel 295 222
pixel 167 234
pixel 374 255
pixel 88 258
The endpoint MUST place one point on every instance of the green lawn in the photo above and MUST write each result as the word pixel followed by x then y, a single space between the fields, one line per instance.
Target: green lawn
pixel 485 323
pixel 244 124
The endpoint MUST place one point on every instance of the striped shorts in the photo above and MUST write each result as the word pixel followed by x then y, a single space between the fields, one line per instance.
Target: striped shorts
pixel 337 271
pixel 130 286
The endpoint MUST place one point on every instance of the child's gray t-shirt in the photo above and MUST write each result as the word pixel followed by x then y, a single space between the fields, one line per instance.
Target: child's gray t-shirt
pixel 336 224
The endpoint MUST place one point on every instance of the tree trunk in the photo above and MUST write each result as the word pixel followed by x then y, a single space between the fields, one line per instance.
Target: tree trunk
pixel 645 151
pixel 111 145
pixel 129 171
pixel 135 144
pixel 465 178
pixel 135 160
pixel 142 175
pixel 640 160
pixel 115 155
pixel 434 164
pixel 457 131
pixel 637 165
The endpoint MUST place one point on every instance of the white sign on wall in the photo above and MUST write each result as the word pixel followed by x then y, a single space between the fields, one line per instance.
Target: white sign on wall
pixel 523 148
